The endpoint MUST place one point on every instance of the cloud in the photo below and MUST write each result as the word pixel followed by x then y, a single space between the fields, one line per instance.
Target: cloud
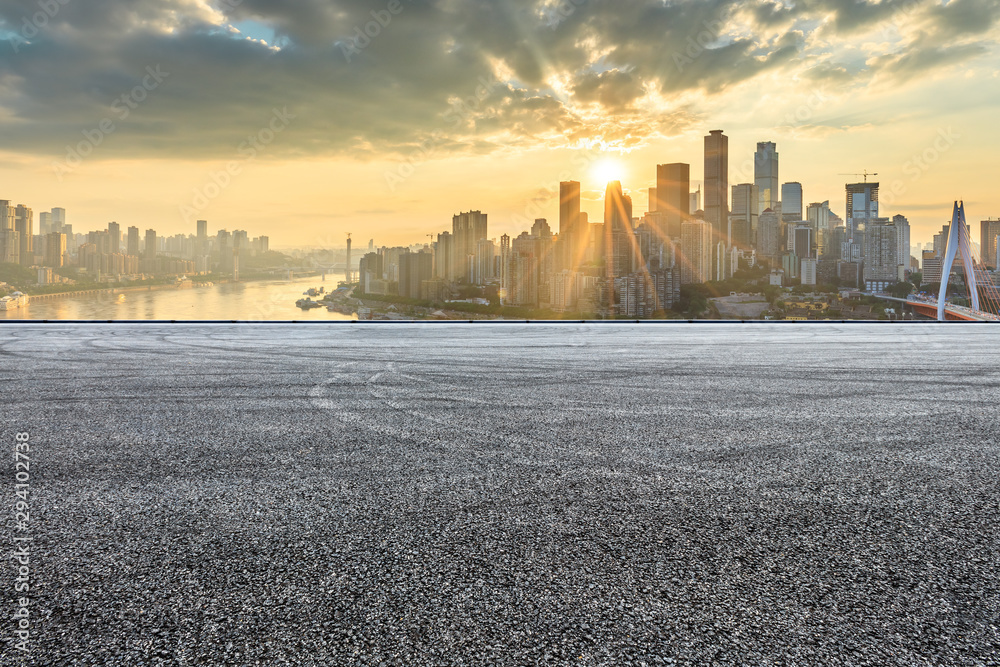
pixel 616 72
pixel 912 63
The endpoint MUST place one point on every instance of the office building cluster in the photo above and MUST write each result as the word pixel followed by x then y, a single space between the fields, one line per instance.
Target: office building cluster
pixel 115 254
pixel 633 265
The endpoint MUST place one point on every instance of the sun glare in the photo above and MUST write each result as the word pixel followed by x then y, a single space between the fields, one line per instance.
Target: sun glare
pixel 607 170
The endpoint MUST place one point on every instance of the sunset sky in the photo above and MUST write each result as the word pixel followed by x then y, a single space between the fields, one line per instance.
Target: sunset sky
pixel 582 90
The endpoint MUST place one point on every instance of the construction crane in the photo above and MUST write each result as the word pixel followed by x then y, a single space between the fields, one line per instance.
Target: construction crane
pixel 865 173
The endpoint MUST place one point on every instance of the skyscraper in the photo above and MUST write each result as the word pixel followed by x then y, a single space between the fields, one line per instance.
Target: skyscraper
pixel 988 232
pixel 201 243
pixel 132 245
pixel 10 243
pixel 59 220
pixel 819 216
pixel 24 225
pixel 572 236
pixel 744 216
pixel 485 264
pixel 791 202
pixel 617 231
pixel 765 174
pixel 862 208
pixel 150 250
pixel 902 226
pixel 55 249
pixel 468 229
pixel 673 198
pixel 114 237
pixel 695 204
pixel 569 207
pixel 717 183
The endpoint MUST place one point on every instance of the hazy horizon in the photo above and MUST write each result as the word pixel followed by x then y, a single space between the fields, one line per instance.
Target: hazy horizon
pixel 553 91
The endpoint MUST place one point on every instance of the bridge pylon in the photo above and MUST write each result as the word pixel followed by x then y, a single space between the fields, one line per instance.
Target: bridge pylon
pixel 958 242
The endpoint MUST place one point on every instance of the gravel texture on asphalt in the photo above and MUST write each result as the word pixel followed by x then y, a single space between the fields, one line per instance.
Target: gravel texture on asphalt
pixel 508 494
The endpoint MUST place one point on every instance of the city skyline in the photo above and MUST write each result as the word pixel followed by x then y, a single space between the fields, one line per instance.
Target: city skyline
pixel 381 148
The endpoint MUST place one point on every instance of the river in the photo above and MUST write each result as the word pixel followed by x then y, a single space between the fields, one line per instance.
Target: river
pixel 249 301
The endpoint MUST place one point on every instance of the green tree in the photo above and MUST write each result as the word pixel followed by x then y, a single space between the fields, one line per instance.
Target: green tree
pixel 901 290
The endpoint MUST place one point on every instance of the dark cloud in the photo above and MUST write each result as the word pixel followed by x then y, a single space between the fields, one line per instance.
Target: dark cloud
pixel 419 79
pixel 915 62
pixel 960 18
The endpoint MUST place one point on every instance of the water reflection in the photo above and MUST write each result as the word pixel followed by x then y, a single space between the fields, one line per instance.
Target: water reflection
pixel 250 301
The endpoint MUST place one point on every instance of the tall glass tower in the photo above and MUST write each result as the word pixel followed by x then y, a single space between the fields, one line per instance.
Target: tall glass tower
pixel 765 174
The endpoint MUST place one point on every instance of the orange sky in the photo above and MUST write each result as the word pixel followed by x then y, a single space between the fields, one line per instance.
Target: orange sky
pixel 912 96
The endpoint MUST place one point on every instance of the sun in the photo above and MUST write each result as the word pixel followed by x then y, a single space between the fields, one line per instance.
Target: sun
pixel 607 170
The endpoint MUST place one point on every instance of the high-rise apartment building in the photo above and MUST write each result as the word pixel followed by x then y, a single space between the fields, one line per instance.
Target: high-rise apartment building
pixel 673 198
pixel 717 183
pixel 988 232
pixel 468 229
pixel 6 215
pixel 414 269
pixel 10 242
pixel 444 257
pixel 485 265
pixel 769 234
pixel 201 240
pixel 24 225
pixel 765 174
pixel 791 202
pixel 115 237
pixel 132 243
pixel 150 248
pixel 55 249
pixel 881 255
pixel 696 252
pixel 902 226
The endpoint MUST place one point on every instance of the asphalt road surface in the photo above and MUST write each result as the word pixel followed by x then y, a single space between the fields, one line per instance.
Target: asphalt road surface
pixel 505 494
